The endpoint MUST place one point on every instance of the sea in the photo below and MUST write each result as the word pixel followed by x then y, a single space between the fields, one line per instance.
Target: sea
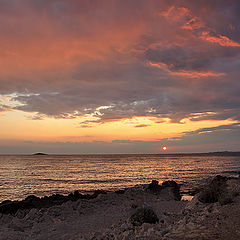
pixel 44 175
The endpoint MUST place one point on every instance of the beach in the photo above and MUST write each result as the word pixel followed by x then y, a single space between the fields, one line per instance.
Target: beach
pixel 146 211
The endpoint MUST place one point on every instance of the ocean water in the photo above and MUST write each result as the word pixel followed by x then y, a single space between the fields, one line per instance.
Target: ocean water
pixel 23 175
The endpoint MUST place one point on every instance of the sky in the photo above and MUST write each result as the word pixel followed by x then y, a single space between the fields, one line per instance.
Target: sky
pixel 119 76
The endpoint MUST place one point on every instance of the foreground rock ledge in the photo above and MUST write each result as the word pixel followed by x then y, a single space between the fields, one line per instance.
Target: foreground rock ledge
pixel 143 212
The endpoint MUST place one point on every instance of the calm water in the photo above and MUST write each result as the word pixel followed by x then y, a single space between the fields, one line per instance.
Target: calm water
pixel 21 176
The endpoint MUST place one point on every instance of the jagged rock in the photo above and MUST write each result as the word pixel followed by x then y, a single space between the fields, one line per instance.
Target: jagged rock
pixel 154 188
pixel 121 191
pixel 170 184
pixel 168 189
pixel 215 191
pixel 143 215
pixel 11 207
pixel 32 198
pixel 175 189
pixel 97 192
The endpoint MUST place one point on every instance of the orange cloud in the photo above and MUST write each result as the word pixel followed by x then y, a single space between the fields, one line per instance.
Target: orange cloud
pixel 193 24
pixel 175 14
pixel 188 74
pixel 221 40
pixel 184 17
pixel 196 74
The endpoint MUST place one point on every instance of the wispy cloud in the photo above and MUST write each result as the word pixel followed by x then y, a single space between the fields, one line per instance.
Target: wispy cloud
pixel 141 125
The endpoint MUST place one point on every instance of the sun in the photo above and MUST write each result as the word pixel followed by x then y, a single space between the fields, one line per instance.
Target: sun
pixel 164 148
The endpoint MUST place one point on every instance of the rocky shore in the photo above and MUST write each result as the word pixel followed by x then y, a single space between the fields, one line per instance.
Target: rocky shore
pixel 152 211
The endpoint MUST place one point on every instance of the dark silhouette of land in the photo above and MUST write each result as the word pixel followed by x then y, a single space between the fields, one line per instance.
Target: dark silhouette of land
pixel 223 153
pixel 39 154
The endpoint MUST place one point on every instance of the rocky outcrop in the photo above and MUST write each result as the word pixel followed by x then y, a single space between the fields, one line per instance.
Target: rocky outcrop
pixel 11 207
pixel 154 188
pixel 212 214
pixel 143 215
pixel 127 214
pixel 210 218
pixel 168 188
pixel 174 189
pixel 140 213
pixel 218 190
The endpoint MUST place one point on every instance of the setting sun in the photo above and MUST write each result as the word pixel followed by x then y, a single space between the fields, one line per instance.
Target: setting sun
pixel 164 148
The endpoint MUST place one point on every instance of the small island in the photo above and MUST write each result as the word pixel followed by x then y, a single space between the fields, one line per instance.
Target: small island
pixel 40 154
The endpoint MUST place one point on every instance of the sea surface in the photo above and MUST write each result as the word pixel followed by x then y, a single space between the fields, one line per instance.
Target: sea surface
pixel 23 175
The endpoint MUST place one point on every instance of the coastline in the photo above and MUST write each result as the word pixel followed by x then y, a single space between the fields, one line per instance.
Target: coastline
pixel 149 211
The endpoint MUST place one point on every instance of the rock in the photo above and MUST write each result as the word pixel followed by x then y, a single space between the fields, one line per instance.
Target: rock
pixel 168 190
pixel 97 192
pixel 143 215
pixel 170 184
pixel 134 206
pixel 154 188
pixel 21 213
pixel 233 186
pixel 76 194
pixel 174 189
pixel 122 191
pixel 223 200
pixel 11 207
pixel 215 191
pixel 31 198
pixel 6 201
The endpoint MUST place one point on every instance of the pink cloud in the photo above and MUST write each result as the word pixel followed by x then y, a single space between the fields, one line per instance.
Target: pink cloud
pixel 188 74
pixel 221 40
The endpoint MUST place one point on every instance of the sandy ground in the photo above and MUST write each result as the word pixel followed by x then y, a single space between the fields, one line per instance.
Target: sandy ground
pixel 107 217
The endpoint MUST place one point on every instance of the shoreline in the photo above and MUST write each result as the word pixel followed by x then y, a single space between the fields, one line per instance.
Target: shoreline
pixel 32 201
pixel 184 189
pixel 148 211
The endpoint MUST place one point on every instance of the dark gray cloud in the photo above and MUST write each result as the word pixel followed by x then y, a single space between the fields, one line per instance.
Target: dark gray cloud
pixel 225 137
pixel 231 127
pixel 189 59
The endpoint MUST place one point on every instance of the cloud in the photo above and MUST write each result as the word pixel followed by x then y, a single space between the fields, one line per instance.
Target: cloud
pixel 4 108
pixel 221 40
pixel 67 59
pixel 221 138
pixel 235 126
pixel 141 125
